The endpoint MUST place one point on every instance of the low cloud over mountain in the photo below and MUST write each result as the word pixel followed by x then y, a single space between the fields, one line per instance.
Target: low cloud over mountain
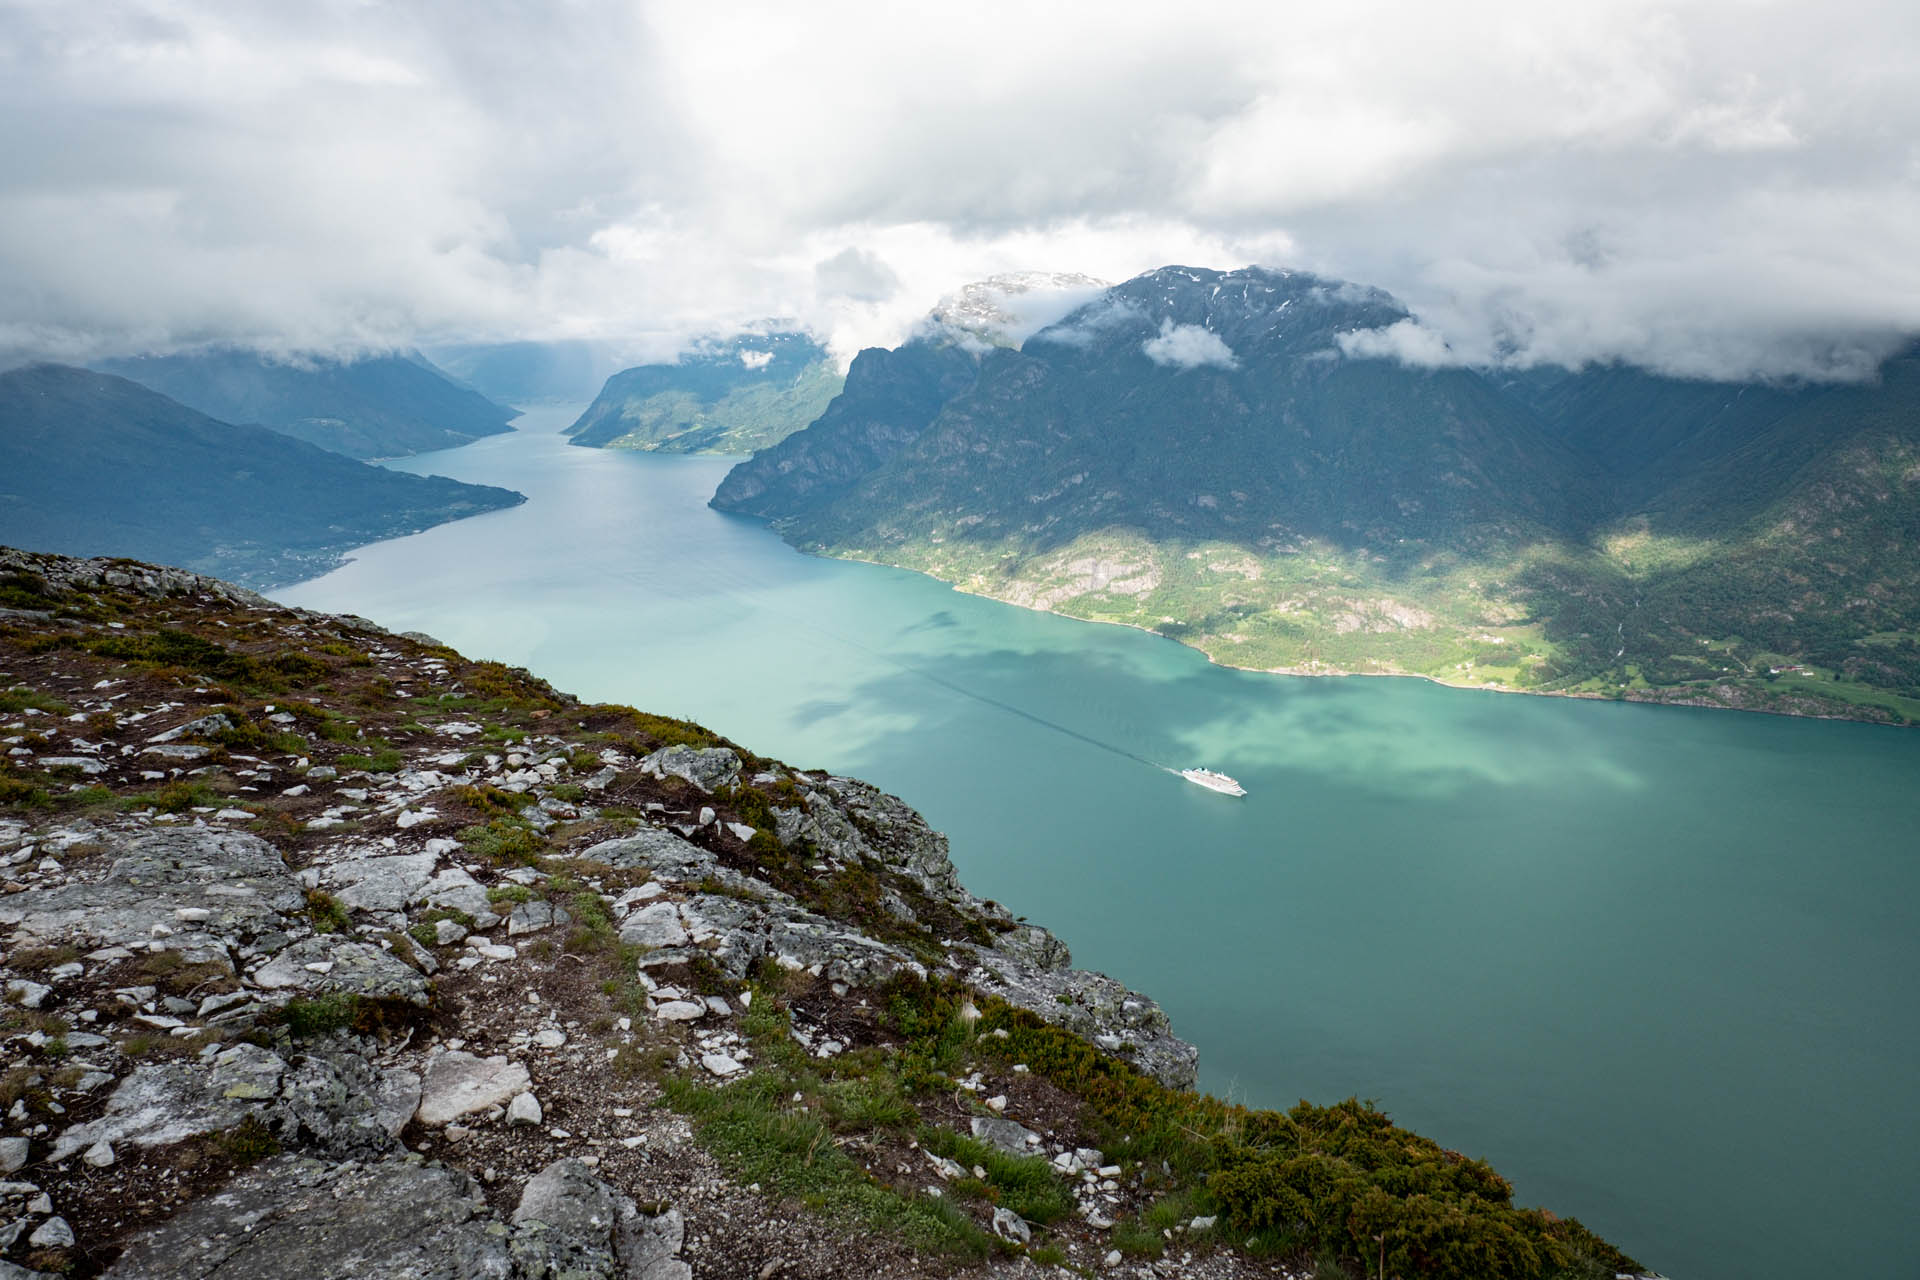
pixel 1721 189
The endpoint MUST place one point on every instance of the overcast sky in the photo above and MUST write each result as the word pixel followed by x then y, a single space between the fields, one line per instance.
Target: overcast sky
pixel 1709 188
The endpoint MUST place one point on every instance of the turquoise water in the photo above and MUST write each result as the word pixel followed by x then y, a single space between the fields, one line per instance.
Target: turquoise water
pixel 1658 965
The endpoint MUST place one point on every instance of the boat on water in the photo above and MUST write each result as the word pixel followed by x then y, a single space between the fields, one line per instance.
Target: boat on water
pixel 1214 781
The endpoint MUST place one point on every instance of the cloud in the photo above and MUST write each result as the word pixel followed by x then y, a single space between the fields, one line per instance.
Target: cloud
pixel 855 274
pixel 1724 187
pixel 1188 346
pixel 1407 341
pixel 1007 309
pixel 1088 323
pixel 756 359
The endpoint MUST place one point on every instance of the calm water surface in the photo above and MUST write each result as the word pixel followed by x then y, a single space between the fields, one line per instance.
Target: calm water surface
pixel 1657 965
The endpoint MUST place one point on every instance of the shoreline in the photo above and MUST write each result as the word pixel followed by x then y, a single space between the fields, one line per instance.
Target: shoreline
pixel 1633 696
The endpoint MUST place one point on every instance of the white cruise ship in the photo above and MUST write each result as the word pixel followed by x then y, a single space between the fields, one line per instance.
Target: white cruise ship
pixel 1214 781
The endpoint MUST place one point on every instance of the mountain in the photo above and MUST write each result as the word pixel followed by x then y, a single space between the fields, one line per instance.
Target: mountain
pixel 97 465
pixel 1773 534
pixel 375 407
pixel 1004 310
pixel 724 397
pixel 683 1009
pixel 891 395
pixel 888 400
pixel 1221 457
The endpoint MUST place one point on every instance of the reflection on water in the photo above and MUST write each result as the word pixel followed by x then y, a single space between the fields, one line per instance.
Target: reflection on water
pixel 1656 964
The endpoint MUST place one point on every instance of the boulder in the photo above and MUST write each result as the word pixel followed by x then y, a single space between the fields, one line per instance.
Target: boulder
pixel 707 768
pixel 240 881
pixel 454 890
pixel 457 1084
pixel 8 1271
pixel 385 883
pixel 854 822
pixel 1010 1226
pixel 298 1219
pixel 199 728
pixel 572 1226
pixel 655 925
pixel 160 1104
pixel 326 964
pixel 1097 1008
pixel 1009 1135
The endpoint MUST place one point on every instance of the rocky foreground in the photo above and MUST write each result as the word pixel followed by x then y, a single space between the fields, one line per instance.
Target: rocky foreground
pixel 330 953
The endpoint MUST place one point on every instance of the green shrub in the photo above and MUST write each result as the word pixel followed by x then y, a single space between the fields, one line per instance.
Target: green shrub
pixel 490 799
pixel 1314 1179
pixel 300 668
pixel 17 793
pixel 327 912
pixel 383 760
pixel 335 1011
pixel 179 796
pixel 26 591
pixel 20 698
pixel 504 840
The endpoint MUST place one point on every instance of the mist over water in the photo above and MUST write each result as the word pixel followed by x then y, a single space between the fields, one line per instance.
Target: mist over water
pixel 1657 965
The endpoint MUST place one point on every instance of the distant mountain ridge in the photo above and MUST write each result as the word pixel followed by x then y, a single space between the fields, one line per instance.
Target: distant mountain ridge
pixel 92 464
pixel 1203 453
pixel 374 407
pixel 732 396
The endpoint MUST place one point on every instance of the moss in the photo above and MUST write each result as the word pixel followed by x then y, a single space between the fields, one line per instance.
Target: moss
pixel 20 698
pixel 333 1012
pixel 504 840
pixel 343 1011
pixel 489 799
pixel 41 959
pixel 174 975
pixel 178 797
pixel 248 1143
pixel 384 760
pixel 18 793
pixel 761 1137
pixel 402 947
pixel 592 931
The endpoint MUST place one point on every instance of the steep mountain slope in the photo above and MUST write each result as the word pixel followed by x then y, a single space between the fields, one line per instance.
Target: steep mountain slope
pixel 889 398
pixel 95 464
pixel 731 397
pixel 1214 456
pixel 376 407
pixel 1786 535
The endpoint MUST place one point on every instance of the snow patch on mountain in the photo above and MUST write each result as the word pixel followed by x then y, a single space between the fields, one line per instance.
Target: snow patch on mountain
pixel 1005 310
